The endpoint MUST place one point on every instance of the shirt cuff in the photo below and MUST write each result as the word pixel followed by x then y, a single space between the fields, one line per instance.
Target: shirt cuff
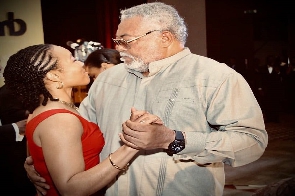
pixel 18 137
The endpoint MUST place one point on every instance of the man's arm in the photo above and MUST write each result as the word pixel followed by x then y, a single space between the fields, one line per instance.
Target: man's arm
pixel 7 134
pixel 14 132
pixel 236 133
pixel 20 128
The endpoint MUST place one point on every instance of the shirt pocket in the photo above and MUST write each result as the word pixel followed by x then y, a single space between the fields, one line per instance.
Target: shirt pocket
pixel 177 101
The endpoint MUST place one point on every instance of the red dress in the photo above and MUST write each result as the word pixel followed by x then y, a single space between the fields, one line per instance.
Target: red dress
pixel 92 143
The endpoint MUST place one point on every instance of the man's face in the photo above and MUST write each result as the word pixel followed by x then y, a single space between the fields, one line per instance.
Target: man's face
pixel 139 53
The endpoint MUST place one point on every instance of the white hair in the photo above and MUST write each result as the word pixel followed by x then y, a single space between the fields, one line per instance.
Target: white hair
pixel 164 15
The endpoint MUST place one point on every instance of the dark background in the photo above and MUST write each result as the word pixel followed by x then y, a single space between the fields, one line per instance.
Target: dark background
pixel 233 30
pixel 93 20
pixel 233 33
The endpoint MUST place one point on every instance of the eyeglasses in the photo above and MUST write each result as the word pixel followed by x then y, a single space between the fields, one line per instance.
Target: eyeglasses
pixel 125 43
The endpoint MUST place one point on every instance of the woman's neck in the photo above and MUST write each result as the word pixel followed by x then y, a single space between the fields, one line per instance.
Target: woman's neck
pixel 62 94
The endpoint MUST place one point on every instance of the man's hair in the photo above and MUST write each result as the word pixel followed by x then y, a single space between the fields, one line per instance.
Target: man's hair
pixel 165 15
pixel 25 72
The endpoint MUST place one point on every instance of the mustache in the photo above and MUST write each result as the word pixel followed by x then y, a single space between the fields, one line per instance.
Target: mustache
pixel 122 54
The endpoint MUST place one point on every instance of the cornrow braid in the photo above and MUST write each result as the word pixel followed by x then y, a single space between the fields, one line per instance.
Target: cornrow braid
pixel 25 71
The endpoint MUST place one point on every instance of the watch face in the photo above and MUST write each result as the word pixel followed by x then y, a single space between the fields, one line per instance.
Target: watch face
pixel 176 146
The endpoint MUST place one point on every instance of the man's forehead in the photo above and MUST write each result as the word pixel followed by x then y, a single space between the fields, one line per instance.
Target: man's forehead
pixel 129 25
pixel 134 26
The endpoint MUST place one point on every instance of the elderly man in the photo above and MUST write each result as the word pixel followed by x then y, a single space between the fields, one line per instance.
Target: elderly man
pixel 209 113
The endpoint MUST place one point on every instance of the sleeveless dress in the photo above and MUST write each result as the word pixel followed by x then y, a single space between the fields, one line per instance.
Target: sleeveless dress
pixel 92 143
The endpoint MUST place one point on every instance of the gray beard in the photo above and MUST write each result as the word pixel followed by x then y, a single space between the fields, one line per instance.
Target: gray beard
pixel 136 64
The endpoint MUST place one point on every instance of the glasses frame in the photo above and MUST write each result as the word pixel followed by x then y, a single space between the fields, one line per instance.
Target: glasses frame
pixel 125 43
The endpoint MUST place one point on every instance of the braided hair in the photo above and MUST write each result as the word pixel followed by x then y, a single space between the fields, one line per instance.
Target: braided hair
pixel 25 72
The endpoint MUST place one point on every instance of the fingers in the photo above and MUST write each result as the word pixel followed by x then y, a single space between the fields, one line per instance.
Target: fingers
pixel 29 160
pixel 40 191
pixel 147 118
pixel 34 177
pixel 135 114
pixel 142 116
pixel 127 130
pixel 127 142
pixel 41 186
pixel 151 119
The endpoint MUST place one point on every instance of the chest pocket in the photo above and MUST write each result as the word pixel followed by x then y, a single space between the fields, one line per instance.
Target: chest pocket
pixel 177 100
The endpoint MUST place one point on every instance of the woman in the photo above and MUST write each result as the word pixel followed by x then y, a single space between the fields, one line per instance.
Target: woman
pixel 64 146
pixel 100 60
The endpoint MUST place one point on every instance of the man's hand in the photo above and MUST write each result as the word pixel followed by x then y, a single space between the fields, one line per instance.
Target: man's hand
pixel 146 131
pixel 143 116
pixel 35 178
pixel 22 126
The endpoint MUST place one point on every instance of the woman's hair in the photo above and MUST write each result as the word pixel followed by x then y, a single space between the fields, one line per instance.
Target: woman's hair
pixel 25 72
pixel 105 55
pixel 164 15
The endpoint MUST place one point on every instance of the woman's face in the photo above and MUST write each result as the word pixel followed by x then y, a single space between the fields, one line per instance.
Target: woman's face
pixel 93 72
pixel 71 71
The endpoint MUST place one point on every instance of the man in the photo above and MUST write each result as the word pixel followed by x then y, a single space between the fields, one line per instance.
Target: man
pixel 11 133
pixel 10 136
pixel 210 116
pixel 13 144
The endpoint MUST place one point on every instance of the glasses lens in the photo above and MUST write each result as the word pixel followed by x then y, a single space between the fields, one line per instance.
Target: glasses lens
pixel 121 42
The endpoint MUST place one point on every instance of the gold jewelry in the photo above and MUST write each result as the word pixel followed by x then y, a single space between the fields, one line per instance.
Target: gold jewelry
pixel 116 166
pixel 60 85
pixel 69 104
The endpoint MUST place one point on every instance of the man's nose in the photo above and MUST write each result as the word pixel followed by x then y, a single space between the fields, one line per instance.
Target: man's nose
pixel 120 48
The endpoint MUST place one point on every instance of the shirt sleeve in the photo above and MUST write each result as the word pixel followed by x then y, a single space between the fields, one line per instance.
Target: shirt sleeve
pixel 18 137
pixel 87 106
pixel 237 136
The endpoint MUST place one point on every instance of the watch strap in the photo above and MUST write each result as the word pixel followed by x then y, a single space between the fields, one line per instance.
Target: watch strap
pixel 179 135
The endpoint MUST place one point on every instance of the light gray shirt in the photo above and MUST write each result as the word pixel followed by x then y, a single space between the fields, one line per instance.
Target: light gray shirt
pixel 210 102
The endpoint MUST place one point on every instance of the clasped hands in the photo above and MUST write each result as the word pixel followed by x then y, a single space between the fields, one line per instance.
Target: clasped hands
pixel 142 131
pixel 145 131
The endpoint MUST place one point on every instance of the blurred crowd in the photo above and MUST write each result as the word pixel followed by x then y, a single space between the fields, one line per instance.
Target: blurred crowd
pixel 272 82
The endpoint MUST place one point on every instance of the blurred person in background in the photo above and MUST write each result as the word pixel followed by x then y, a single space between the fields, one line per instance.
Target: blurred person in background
pixel 14 151
pixel 100 60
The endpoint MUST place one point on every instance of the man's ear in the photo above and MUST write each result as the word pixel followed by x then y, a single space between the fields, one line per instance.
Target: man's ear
pixel 52 76
pixel 167 38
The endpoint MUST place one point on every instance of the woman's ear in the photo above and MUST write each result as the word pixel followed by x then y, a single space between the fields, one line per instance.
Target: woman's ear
pixel 52 76
pixel 104 66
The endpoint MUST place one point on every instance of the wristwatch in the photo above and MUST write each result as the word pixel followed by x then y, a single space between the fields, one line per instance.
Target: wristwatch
pixel 177 145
